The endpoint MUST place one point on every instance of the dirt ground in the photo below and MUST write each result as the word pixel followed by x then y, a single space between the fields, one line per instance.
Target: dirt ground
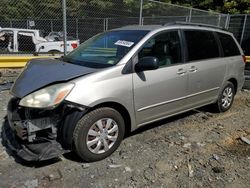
pixel 195 149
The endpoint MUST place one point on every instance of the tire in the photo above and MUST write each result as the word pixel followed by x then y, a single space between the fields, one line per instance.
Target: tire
pixel 54 52
pixel 226 98
pixel 97 129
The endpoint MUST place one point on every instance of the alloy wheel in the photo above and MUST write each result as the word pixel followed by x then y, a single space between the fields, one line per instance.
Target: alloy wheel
pixel 227 97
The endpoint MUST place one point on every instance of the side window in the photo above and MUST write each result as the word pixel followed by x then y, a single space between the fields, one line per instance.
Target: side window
pixel 26 42
pixel 166 47
pixel 6 41
pixel 228 44
pixel 201 45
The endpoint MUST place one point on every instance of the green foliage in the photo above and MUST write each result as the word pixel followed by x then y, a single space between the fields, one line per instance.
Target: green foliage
pixel 223 6
pixel 46 9
pixel 51 9
pixel 17 9
pixel 236 6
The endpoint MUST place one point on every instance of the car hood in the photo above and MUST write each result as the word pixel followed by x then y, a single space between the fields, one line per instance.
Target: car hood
pixel 43 72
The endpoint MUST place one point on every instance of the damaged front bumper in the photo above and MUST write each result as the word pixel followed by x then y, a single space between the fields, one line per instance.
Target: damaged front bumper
pixel 32 134
pixel 36 151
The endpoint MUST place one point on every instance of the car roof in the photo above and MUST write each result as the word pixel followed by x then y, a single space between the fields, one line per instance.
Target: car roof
pixel 175 25
pixel 140 27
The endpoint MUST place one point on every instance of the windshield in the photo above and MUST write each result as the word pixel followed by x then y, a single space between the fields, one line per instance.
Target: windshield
pixel 105 49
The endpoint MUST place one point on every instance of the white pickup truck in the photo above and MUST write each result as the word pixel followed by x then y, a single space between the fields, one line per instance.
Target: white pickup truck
pixel 30 40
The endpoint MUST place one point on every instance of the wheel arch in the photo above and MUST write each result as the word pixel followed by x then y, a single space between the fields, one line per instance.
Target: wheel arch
pixel 70 120
pixel 234 82
pixel 54 51
pixel 121 109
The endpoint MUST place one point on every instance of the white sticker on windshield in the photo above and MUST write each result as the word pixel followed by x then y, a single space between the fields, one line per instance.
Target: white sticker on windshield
pixel 124 43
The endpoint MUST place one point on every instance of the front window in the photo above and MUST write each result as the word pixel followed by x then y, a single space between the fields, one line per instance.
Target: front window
pixel 166 47
pixel 105 49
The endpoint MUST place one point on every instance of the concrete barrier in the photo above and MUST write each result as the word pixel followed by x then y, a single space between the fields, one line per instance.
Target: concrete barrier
pixel 18 61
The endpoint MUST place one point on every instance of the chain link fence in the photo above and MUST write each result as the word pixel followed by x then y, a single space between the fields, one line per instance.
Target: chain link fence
pixel 34 27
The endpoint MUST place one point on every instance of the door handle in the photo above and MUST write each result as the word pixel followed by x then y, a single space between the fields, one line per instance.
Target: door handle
pixel 181 72
pixel 193 69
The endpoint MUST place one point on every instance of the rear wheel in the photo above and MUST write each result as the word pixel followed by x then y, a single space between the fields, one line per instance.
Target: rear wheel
pixel 226 98
pixel 54 52
pixel 98 134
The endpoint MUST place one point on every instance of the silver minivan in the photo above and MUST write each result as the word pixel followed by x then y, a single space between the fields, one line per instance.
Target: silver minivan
pixel 116 82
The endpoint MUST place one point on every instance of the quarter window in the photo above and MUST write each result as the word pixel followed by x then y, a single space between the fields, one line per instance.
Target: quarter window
pixel 165 46
pixel 228 44
pixel 201 45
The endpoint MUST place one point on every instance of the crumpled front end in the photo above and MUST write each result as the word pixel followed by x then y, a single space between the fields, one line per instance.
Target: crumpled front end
pixel 34 134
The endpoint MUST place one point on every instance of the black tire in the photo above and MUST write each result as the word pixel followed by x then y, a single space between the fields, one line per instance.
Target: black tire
pixel 220 105
pixel 54 52
pixel 87 122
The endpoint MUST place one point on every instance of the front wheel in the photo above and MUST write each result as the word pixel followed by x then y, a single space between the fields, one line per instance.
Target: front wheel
pixel 226 98
pixel 54 52
pixel 98 134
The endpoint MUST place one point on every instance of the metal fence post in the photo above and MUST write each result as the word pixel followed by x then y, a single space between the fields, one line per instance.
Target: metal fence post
pixel 11 24
pixel 141 8
pixel 104 24
pixel 243 29
pixel 219 20
pixel 51 25
pixel 64 27
pixel 190 15
pixel 227 22
pixel 77 29
pixel 107 24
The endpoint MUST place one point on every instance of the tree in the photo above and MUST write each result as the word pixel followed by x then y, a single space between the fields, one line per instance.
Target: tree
pixel 236 6
pixel 223 6
pixel 15 9
pixel 47 9
pixel 51 9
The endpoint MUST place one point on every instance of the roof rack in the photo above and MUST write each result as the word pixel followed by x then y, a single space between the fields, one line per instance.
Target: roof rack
pixel 194 24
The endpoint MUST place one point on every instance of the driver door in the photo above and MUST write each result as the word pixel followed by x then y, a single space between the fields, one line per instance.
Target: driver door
pixel 160 93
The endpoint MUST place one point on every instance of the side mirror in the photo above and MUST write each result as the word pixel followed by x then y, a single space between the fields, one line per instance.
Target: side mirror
pixel 147 63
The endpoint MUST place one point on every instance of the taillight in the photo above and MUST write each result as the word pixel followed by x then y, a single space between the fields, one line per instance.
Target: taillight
pixel 244 59
pixel 74 45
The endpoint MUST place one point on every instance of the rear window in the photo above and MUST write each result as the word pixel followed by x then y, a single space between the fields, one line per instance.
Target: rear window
pixel 201 45
pixel 228 45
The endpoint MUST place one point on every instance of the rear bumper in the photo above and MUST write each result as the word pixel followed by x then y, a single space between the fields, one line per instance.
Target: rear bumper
pixel 247 79
pixel 247 74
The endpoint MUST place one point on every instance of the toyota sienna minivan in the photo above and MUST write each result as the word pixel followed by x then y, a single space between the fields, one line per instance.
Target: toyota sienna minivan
pixel 116 82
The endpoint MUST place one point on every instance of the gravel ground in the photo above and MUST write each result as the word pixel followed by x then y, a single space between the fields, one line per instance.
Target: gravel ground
pixel 195 149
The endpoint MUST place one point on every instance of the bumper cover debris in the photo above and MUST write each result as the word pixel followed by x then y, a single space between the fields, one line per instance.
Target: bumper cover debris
pixel 37 151
pixel 30 137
